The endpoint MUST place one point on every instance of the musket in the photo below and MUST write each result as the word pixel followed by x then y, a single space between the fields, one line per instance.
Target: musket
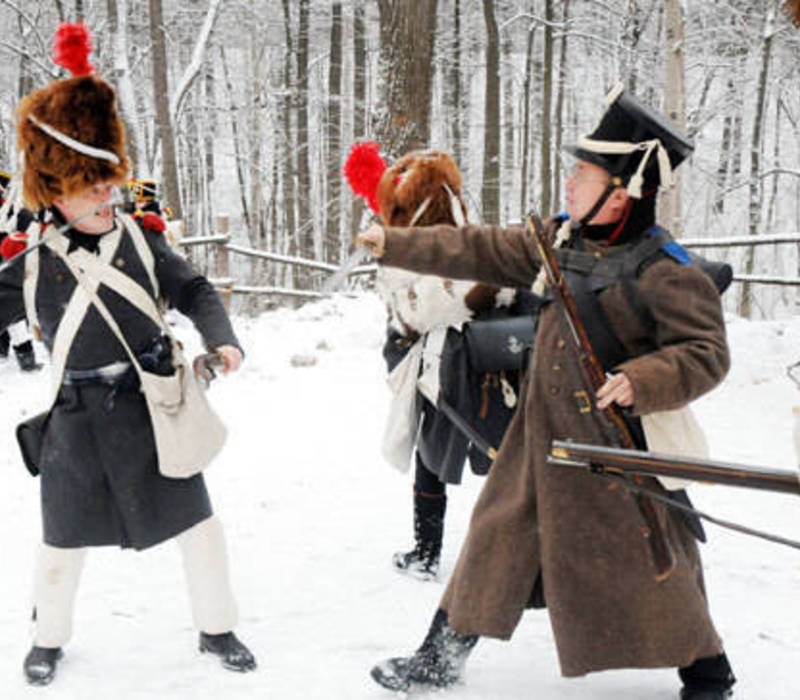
pixel 614 462
pixel 595 376
pixel 114 201
pixel 466 428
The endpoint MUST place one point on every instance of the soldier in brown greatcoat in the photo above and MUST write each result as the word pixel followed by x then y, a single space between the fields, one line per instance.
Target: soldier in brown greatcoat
pixel 541 534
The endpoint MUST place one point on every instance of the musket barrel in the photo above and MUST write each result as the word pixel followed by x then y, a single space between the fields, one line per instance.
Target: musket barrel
pixel 613 459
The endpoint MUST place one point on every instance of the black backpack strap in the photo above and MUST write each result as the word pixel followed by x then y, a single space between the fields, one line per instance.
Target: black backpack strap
pixel 607 346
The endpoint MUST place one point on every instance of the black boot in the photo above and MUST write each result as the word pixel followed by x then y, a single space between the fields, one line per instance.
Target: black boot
pixel 5 343
pixel 438 663
pixel 26 357
pixel 234 655
pixel 41 663
pixel 423 561
pixel 709 678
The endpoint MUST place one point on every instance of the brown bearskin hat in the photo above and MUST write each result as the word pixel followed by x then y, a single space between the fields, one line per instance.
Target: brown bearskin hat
pixel 83 108
pixel 418 176
pixel 792 8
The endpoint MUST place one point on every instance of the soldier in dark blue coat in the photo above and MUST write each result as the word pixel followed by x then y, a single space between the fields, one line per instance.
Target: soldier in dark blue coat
pixel 13 225
pixel 100 478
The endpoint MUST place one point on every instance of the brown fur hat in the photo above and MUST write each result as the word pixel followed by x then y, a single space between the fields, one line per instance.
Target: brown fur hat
pixel 83 108
pixel 792 9
pixel 411 180
pixel 408 183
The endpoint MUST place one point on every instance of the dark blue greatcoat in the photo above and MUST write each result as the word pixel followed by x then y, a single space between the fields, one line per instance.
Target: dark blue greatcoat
pixel 100 483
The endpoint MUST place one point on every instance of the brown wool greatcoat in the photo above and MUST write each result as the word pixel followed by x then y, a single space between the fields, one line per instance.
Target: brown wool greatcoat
pixel 582 532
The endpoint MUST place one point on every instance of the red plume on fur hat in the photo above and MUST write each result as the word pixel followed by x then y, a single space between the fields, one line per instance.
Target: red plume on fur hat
pixel 71 48
pixel 13 244
pixel 363 171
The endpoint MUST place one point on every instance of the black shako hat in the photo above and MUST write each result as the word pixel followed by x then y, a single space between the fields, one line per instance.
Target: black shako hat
pixel 634 143
pixel 143 189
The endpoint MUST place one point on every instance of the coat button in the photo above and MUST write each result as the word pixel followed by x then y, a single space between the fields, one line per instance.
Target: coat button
pixel 556 367
pixel 554 391
pixel 561 343
pixel 119 262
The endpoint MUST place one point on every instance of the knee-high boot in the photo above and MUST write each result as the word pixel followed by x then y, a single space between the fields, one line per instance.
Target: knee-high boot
pixel 423 560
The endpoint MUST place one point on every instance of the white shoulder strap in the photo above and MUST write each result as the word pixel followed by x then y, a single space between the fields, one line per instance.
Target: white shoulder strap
pixel 145 254
pixel 88 286
pixel 98 270
pixel 76 308
pixel 31 280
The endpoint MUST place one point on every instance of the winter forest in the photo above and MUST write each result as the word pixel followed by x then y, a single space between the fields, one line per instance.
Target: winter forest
pixel 247 108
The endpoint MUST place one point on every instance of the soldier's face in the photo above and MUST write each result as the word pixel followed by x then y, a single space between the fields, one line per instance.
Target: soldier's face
pixel 584 186
pixel 91 206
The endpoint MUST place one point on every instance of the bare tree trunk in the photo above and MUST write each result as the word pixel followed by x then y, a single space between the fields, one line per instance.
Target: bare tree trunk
pixel 236 138
pixel 333 228
pixel 118 28
pixel 288 150
pixel 25 83
pixel 407 31
pixel 359 98
pixel 724 158
pixel 210 130
pixel 490 190
pixel 674 104
pixel 754 207
pixel 509 130
pixel 164 128
pixel 546 170
pixel 524 204
pixel 454 84
pixel 562 79
pixel 305 228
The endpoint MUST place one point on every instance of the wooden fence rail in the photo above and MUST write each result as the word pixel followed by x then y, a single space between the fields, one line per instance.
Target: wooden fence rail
pixel 220 274
pixel 739 241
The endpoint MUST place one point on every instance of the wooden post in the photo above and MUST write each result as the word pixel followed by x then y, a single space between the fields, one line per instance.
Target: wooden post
pixel 222 269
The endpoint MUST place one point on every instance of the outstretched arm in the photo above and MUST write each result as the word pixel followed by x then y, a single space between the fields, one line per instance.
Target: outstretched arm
pixel 502 256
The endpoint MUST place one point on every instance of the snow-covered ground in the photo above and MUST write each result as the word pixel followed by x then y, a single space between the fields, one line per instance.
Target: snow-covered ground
pixel 313 514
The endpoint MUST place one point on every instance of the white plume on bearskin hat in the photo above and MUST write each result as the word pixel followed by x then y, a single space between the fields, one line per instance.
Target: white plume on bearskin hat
pixel 69 133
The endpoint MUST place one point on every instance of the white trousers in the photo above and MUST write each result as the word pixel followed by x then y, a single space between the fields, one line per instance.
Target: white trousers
pixel 205 561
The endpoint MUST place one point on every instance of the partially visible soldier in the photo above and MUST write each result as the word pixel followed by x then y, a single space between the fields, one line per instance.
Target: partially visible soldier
pixel 144 205
pixel 146 209
pixel 12 239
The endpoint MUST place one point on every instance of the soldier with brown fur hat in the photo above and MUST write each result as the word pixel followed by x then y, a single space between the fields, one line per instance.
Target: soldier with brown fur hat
pixel 101 477
pixel 426 316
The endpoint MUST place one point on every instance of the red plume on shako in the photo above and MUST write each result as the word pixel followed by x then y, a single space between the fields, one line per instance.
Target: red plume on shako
pixel 71 48
pixel 363 171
